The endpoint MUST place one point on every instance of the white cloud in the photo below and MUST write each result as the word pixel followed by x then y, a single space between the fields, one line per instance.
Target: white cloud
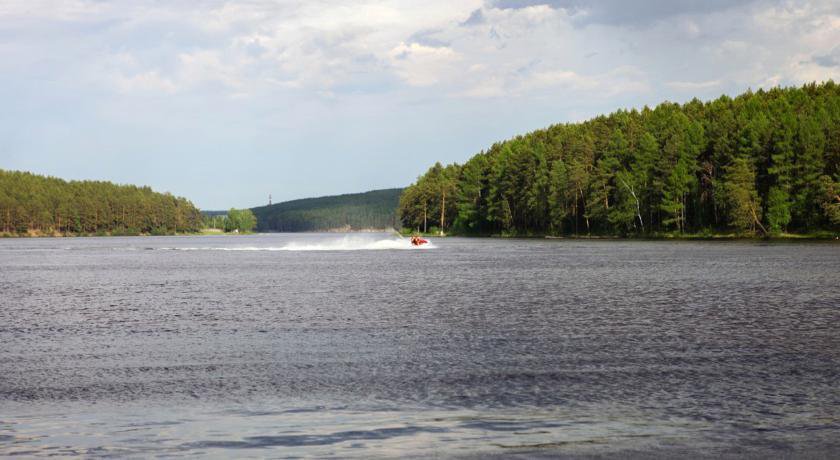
pixel 420 65
pixel 203 66
pixel 280 70
pixel 147 81
pixel 694 85
pixel 319 48
pixel 492 86
pixel 563 78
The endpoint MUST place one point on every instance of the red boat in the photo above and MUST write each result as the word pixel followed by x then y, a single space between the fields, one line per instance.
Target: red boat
pixel 417 241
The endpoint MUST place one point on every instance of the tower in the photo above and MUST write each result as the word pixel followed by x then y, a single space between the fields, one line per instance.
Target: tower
pixel 269 199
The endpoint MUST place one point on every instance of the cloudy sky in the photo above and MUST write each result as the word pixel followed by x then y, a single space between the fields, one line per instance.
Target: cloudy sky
pixel 226 102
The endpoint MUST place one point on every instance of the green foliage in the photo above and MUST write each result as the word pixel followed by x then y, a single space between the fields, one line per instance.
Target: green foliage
pixel 375 209
pixel 767 159
pixel 214 219
pixel 471 203
pixel 744 204
pixel 241 220
pixel 778 209
pixel 434 199
pixel 47 205
pixel 558 200
pixel 830 199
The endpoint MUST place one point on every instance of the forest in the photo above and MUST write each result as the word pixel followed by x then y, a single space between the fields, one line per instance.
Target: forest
pixel 356 211
pixel 233 220
pixel 762 163
pixel 31 204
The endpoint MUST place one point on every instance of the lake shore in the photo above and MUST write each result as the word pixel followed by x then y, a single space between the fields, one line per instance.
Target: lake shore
pixel 41 234
pixel 822 235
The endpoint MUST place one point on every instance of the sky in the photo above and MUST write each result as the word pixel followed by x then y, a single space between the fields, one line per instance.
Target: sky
pixel 226 102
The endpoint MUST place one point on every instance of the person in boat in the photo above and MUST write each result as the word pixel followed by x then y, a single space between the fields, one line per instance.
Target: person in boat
pixel 417 241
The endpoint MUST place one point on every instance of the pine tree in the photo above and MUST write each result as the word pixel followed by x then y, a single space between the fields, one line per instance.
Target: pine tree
pixel 744 203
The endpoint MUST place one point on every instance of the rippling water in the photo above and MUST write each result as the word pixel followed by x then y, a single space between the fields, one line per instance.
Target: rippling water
pixel 360 345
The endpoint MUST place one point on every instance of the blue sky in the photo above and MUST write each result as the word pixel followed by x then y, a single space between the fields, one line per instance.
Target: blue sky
pixel 226 102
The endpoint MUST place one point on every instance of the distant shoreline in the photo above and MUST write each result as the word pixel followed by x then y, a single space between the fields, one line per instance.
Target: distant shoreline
pixel 823 236
pixel 40 234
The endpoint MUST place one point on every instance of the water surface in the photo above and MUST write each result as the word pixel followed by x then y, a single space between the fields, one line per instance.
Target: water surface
pixel 359 345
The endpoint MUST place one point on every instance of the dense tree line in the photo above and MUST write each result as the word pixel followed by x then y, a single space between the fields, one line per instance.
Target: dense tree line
pixel 33 203
pixel 763 162
pixel 214 219
pixel 374 209
pixel 239 220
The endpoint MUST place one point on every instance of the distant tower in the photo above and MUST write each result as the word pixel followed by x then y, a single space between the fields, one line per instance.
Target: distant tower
pixel 269 199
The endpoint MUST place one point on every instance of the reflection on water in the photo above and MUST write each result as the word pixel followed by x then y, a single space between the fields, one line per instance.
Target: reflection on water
pixel 349 346
pixel 323 431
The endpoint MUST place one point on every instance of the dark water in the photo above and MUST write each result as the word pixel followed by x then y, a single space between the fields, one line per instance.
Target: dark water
pixel 358 346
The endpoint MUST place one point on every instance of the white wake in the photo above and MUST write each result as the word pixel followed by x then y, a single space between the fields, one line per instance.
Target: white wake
pixel 347 243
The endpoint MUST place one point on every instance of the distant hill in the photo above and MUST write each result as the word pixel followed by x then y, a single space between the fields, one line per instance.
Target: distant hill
pixel 355 211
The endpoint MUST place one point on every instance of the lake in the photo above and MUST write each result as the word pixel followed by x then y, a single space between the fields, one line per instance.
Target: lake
pixel 289 345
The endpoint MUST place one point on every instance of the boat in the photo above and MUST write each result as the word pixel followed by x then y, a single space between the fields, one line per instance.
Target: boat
pixel 417 241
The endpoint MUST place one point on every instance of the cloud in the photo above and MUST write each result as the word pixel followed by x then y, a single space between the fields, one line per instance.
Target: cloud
pixel 694 85
pixel 561 78
pixel 476 18
pixel 427 38
pixel 420 65
pixel 327 48
pixel 536 80
pixel 627 13
pixel 147 81
pixel 832 59
pixel 347 82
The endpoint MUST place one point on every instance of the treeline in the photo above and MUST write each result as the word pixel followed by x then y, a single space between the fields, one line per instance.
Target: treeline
pixel 764 162
pixel 355 211
pixel 238 220
pixel 31 203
